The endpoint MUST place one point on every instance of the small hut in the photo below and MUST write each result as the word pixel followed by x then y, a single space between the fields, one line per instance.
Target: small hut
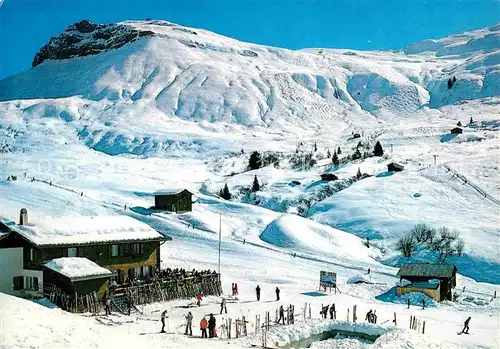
pixel 395 167
pixel 435 280
pixel 175 200
pixel 456 130
pixel 329 177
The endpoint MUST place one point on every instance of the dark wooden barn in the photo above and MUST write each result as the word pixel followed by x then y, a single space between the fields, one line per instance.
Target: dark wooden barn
pixel 329 177
pixel 395 167
pixel 420 273
pixel 77 275
pixel 456 130
pixel 175 200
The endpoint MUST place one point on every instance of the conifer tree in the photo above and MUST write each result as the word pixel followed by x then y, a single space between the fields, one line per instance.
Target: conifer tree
pixel 358 174
pixel 339 151
pixel 225 193
pixel 335 159
pixel 378 150
pixel 471 121
pixel 255 161
pixel 328 154
pixel 450 83
pixel 255 185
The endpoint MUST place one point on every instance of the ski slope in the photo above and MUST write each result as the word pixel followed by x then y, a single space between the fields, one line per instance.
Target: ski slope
pixel 98 135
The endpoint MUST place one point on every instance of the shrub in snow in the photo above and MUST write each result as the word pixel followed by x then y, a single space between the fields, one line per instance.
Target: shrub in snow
pixel 378 150
pixel 255 161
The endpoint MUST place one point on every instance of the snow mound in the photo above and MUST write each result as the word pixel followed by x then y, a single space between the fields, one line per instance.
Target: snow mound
pixel 301 234
pixel 414 297
pixel 359 279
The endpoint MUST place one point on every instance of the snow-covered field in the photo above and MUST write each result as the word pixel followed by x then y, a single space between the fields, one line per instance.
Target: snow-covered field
pixel 176 109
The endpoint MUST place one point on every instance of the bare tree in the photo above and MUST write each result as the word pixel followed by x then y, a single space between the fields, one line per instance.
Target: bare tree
pixel 423 233
pixel 447 243
pixel 406 245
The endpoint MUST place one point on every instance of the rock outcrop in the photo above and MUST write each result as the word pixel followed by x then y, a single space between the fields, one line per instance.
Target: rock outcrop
pixel 86 38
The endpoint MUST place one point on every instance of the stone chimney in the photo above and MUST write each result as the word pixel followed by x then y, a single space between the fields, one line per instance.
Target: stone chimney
pixel 23 217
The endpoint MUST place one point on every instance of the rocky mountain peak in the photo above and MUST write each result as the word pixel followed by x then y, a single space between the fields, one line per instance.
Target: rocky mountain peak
pixel 86 38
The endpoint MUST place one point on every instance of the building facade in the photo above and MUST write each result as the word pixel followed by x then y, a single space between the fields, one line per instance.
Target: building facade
pixel 174 200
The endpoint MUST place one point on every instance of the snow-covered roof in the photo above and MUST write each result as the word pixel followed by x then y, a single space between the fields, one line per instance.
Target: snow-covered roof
pixel 82 230
pixel 77 268
pixel 170 191
pixel 427 269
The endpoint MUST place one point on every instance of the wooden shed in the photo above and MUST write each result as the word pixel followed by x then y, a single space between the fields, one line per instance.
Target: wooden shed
pixel 420 276
pixel 395 167
pixel 77 275
pixel 175 200
pixel 456 130
pixel 329 177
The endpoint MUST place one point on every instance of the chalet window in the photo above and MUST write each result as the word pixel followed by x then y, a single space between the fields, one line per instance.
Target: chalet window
pixel 136 248
pixel 114 250
pixel 18 282
pixel 72 252
pixel 29 283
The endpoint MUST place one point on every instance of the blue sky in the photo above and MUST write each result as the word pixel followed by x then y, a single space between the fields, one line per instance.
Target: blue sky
pixel 26 25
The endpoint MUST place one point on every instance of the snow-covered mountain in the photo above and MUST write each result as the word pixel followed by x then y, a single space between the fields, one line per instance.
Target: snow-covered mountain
pixel 160 75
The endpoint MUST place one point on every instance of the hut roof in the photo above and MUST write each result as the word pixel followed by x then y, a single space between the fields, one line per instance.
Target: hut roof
pixel 170 191
pixel 84 230
pixel 427 270
pixel 77 268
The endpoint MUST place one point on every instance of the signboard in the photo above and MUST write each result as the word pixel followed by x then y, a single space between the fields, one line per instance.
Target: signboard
pixel 327 279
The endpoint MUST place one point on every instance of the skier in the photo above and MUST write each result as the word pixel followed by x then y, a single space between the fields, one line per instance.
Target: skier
pixel 189 321
pixel 198 299
pixel 282 315
pixel 163 317
pixel 368 271
pixel 211 326
pixel 203 327
pixel 232 289
pixel 408 303
pixel 423 303
pixel 466 326
pixel 277 294
pixel 236 290
pixel 223 306
pixel 324 311
pixel 369 316
pixel 257 291
pixel 332 311
pixel 374 317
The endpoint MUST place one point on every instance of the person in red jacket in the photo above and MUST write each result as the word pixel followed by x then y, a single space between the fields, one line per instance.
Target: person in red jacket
pixel 198 298
pixel 203 327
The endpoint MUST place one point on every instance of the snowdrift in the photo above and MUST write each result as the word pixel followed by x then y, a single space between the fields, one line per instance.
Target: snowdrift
pixel 299 234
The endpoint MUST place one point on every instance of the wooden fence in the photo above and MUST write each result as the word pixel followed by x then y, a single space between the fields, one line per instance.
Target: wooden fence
pixel 159 291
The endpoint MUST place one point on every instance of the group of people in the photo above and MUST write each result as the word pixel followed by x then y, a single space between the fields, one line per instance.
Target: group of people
pixel 234 288
pixel 371 317
pixel 178 273
pixel 207 327
pixel 324 311
pixel 257 293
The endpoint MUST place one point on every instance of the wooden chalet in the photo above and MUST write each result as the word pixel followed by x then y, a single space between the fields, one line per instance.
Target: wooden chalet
pixel 395 167
pixel 435 280
pixel 174 200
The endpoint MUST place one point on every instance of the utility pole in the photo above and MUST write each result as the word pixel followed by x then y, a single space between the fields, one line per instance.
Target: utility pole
pixel 220 229
pixel 435 159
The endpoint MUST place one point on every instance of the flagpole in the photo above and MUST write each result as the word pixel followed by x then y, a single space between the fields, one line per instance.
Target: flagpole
pixel 220 229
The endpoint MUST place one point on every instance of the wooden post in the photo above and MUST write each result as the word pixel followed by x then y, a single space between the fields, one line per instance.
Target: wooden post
pixel 309 310
pixel 423 328
pixel 354 317
pixel 395 320
pixel 411 320
pixel 348 314
pixel 495 295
